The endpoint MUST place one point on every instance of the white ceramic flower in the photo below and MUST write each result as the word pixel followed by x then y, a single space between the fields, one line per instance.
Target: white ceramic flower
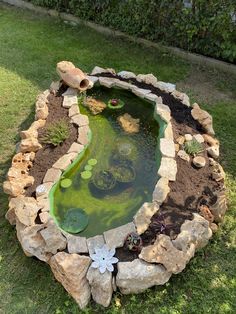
pixel 103 258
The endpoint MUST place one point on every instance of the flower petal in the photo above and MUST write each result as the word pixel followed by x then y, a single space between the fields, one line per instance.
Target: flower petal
pixel 95 257
pixel 110 267
pixel 114 260
pixel 112 252
pixel 102 269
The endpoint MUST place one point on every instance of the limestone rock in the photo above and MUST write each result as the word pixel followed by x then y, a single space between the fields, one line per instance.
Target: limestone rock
pixel 164 252
pixel 69 101
pixel 42 112
pixel 196 231
pixel 74 110
pixel 218 173
pixel 168 133
pixel 220 207
pixel 147 78
pixel 83 137
pixel 93 242
pixel 167 147
pixel 168 168
pixel 163 111
pixel 123 85
pixel 70 270
pixel 95 106
pixel 140 92
pixel 80 120
pixel 204 118
pixel 151 98
pixel 166 87
pixel 23 161
pixel 13 203
pixel 76 244
pixel 177 147
pixel 62 163
pixel 161 191
pixel 26 210
pixel 142 219
pixel 55 86
pixel 107 81
pixel 16 186
pixel 76 148
pixel 116 237
pixel 126 74
pixel 188 137
pixel 182 97
pixel 206 213
pixel 199 138
pixel 43 189
pixel 199 161
pixel 213 151
pixel 32 241
pixel 129 124
pixel 214 227
pixel 30 145
pixel 180 140
pixel 52 175
pixel 210 140
pixel 101 286
pixel 53 238
pixel 31 132
pixel 70 92
pixel 183 155
pixel 93 79
pixel 99 70
pixel 137 276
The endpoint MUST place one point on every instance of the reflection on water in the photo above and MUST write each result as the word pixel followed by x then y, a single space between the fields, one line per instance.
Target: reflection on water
pixel 126 170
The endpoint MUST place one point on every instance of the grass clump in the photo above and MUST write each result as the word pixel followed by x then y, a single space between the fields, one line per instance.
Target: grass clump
pixel 56 133
pixel 193 147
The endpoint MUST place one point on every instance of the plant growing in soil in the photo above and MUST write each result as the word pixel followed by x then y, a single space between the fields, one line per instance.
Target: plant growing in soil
pixel 134 242
pixel 56 133
pixel 160 225
pixel 193 147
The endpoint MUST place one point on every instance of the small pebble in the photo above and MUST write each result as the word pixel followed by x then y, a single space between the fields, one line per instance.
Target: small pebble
pixel 183 155
pixel 199 138
pixel 188 137
pixel 199 161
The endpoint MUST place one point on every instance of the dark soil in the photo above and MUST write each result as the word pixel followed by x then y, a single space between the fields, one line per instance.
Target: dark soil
pixel 49 154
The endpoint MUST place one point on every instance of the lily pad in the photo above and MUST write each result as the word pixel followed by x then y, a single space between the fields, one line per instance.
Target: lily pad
pixel 92 162
pixel 86 174
pixel 88 167
pixel 75 220
pixel 66 183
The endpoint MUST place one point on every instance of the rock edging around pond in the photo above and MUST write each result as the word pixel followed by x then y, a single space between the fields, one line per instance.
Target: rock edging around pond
pixel 66 254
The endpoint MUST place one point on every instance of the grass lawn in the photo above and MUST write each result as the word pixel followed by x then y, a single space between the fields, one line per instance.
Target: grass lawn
pixel 30 47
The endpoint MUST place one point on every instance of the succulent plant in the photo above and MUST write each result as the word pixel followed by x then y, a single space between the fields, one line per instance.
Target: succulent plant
pixel 193 147
pixel 134 242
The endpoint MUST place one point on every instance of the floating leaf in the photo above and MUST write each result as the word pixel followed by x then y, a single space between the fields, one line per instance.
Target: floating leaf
pixel 75 220
pixel 88 167
pixel 65 183
pixel 92 162
pixel 86 174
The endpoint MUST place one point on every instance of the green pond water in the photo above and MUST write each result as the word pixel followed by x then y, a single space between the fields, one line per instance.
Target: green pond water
pixel 111 146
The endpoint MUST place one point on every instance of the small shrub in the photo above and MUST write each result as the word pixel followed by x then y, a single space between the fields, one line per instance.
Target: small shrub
pixel 56 133
pixel 193 147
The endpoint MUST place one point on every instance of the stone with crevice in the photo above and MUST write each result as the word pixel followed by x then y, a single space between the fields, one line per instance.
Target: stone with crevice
pixel 204 118
pixel 30 144
pixel 163 252
pixel 70 270
pixel 161 191
pixel 115 238
pixel 142 218
pixel 168 168
pixel 101 286
pixel 137 276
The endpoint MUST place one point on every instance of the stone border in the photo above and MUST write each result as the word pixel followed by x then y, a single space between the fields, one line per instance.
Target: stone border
pixel 46 241
pixel 189 56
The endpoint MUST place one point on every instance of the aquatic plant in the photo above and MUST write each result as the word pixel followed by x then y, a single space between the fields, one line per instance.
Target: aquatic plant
pixel 75 220
pixel 115 103
pixel 134 242
pixel 103 258
pixel 104 180
pixel 86 174
pixel 92 162
pixel 65 183
pixel 56 133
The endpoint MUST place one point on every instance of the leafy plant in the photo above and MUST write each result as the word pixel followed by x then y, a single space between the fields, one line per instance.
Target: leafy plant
pixel 56 133
pixel 159 224
pixel 134 242
pixel 193 147
pixel 75 220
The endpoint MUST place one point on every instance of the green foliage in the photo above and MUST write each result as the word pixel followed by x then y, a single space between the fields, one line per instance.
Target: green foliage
pixel 75 220
pixel 192 147
pixel 56 133
pixel 206 27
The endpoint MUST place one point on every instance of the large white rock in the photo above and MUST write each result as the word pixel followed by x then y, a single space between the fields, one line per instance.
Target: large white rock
pixel 168 168
pixel 53 238
pixel 161 191
pixel 126 74
pixel 142 219
pixel 63 162
pixel 80 120
pixel 115 237
pixel 163 111
pixel 83 137
pixel 70 270
pixel 147 78
pixel 167 147
pixel 94 242
pixel 137 276
pixel 101 286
